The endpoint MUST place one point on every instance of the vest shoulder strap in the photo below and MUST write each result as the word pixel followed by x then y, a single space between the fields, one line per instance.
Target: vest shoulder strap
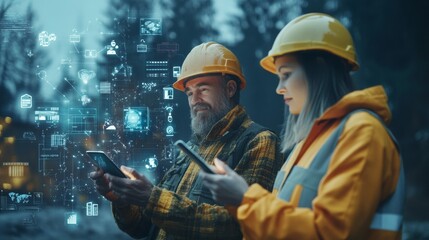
pixel 242 142
pixel 389 214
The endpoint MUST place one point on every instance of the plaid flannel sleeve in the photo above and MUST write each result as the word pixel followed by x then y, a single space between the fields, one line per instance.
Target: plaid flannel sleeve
pixel 183 218
pixel 131 220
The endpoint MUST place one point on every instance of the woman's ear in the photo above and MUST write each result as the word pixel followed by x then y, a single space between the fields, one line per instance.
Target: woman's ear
pixel 231 88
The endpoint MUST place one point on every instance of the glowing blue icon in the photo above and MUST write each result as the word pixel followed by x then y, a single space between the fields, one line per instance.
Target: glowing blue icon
pixel 136 119
pixel 141 48
pixel 91 209
pixel 85 100
pixel 151 163
pixel 41 74
pixel 133 119
pixel 26 101
pixel 148 86
pixel 89 53
pixel 108 125
pixel 150 26
pixel 58 140
pixel 71 218
pixel 45 38
pixel 29 136
pixel 74 38
pixel 176 71
pixel 122 70
pixel 85 75
pixel 111 50
pixel 168 93
pixel 169 131
pixel 170 116
pixel 105 88
pixel 18 198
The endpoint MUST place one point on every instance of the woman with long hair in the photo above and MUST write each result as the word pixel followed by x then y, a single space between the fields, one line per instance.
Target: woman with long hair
pixel 343 178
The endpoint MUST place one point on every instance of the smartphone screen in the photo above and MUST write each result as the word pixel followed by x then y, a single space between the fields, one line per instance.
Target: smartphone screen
pixel 101 160
pixel 194 156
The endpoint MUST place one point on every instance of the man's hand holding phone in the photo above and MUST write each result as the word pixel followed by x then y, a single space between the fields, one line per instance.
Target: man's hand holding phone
pixel 135 189
pixel 102 184
pixel 101 160
pixel 122 186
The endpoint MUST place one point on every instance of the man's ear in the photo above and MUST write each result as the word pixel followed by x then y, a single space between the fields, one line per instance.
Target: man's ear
pixel 231 88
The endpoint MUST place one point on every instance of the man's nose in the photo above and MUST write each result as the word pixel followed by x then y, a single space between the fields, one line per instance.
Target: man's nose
pixel 194 99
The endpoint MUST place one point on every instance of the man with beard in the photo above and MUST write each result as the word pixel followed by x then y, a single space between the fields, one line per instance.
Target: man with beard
pixel 180 207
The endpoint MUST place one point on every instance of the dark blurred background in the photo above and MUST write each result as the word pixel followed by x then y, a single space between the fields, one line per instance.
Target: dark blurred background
pixel 55 55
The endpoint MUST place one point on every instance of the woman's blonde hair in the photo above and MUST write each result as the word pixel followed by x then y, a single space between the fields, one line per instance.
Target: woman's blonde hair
pixel 328 80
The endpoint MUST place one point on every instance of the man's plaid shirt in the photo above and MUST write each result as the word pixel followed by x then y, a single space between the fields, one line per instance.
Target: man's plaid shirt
pixel 179 217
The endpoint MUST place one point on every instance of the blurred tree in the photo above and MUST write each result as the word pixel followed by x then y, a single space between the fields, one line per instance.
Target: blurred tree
pixel 259 25
pixel 70 86
pixel 122 27
pixel 19 61
pixel 188 22
pixel 4 7
pixel 393 52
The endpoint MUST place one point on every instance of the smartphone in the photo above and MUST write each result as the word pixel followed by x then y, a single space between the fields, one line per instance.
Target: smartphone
pixel 194 156
pixel 101 160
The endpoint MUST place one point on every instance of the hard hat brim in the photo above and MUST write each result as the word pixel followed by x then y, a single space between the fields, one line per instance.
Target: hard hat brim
pixel 268 62
pixel 180 83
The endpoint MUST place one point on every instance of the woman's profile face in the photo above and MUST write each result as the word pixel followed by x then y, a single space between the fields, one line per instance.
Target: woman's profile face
pixel 292 83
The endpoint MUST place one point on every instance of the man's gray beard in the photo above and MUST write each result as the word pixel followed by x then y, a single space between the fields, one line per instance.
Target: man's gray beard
pixel 202 123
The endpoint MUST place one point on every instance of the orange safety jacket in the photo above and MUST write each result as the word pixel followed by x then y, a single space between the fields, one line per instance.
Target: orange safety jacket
pixel 347 192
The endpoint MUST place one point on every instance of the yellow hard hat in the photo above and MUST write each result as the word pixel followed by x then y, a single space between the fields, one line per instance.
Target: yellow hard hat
pixel 313 31
pixel 206 58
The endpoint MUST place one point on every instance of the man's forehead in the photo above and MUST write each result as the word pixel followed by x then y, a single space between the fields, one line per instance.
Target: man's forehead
pixel 203 80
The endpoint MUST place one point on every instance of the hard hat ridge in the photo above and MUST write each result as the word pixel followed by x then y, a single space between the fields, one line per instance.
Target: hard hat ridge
pixel 207 58
pixel 313 31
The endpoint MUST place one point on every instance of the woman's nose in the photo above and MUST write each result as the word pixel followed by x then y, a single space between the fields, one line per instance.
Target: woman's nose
pixel 280 88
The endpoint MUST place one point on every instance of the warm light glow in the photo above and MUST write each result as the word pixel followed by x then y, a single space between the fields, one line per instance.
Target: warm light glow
pixel 17 182
pixel 7 186
pixel 8 120
pixel 9 140
pixel 16 171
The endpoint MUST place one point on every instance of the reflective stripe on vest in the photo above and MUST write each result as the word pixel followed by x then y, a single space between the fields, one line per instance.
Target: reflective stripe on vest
pixel 389 213
pixel 386 221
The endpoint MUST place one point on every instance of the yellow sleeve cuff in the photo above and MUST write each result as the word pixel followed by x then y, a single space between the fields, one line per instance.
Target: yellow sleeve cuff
pixel 254 192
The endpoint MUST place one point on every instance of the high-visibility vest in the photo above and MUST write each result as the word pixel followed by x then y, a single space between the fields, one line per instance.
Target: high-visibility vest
pixel 389 214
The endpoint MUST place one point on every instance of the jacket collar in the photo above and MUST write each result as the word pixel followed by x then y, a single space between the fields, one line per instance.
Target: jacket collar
pixel 373 98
